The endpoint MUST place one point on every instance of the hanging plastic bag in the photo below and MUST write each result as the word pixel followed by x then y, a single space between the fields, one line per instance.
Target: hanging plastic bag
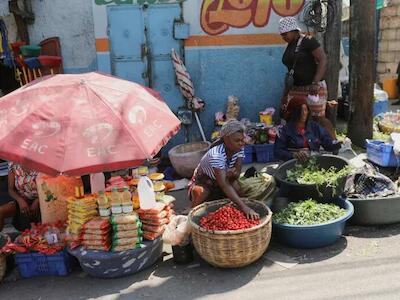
pixel 177 231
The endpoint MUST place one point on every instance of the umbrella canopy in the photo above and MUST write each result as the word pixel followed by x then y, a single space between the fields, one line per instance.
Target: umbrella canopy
pixel 85 123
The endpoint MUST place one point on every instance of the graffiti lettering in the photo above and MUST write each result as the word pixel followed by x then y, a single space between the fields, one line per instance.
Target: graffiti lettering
pixel 217 16
pixel 140 2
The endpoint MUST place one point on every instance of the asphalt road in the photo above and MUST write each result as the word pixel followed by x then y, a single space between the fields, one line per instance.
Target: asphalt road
pixel 363 264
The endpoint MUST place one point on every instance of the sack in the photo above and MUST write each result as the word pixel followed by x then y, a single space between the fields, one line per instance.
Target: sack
pixel 177 231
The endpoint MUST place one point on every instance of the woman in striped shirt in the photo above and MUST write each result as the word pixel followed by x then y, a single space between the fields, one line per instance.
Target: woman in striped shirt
pixel 216 175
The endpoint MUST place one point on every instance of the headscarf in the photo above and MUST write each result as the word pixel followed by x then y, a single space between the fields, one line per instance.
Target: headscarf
pixel 230 127
pixel 288 24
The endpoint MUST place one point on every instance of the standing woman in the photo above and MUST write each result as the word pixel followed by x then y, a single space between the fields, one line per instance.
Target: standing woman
pixel 216 175
pixel 306 59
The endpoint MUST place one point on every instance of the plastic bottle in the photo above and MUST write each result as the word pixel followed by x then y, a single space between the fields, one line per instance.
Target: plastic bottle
pixel 126 196
pixel 104 204
pixel 115 199
pixel 135 200
pixel 147 197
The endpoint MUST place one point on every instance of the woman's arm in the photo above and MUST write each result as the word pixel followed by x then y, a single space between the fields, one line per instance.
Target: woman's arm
pixel 281 146
pixel 327 142
pixel 320 58
pixel 231 193
pixel 234 172
pixel 23 205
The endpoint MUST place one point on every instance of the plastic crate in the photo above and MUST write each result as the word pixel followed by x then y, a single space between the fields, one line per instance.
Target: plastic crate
pixel 38 264
pixel 381 107
pixel 265 153
pixel 248 154
pixel 381 153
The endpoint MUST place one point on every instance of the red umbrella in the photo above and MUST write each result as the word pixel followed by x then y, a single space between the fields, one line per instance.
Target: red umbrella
pixel 85 123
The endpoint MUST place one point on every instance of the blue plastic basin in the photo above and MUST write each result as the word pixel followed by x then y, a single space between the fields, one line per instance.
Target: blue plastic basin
pixel 313 236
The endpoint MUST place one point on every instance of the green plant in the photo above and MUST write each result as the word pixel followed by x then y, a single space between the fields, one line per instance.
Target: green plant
pixel 308 212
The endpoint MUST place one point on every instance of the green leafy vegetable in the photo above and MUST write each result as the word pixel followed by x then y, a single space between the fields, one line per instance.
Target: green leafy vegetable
pixel 311 173
pixel 308 212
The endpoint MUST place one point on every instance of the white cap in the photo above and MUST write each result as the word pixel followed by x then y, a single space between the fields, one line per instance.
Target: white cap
pixel 288 24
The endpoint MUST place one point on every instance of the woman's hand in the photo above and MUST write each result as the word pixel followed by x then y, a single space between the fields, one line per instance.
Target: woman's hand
pixel 250 214
pixel 34 208
pixel 314 88
pixel 301 156
pixel 23 206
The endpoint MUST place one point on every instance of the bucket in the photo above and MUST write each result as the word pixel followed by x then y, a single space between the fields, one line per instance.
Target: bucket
pixel 265 118
pixel 182 254
pixel 390 87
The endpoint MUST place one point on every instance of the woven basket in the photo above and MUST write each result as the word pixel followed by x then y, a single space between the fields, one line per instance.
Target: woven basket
pixel 4 240
pixel 232 248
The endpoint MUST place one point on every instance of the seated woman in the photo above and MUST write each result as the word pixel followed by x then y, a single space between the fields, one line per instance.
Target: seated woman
pixel 216 175
pixel 23 201
pixel 300 135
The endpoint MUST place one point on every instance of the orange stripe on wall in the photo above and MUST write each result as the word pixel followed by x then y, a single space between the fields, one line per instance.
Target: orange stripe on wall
pixel 102 45
pixel 234 40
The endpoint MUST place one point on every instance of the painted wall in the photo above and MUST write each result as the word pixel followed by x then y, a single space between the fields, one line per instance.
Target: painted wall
pixel 234 49
pixel 71 21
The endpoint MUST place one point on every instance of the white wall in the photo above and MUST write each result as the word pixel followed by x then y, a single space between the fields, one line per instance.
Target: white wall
pixel 71 21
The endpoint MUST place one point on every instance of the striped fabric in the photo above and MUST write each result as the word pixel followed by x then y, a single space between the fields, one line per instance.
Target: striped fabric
pixel 182 76
pixel 302 92
pixel 216 158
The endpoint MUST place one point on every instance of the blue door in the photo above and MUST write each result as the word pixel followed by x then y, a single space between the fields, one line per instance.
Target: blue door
pixel 141 39
pixel 160 21
pixel 127 43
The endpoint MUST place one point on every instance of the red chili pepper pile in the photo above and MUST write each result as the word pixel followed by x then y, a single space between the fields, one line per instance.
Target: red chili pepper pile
pixel 227 218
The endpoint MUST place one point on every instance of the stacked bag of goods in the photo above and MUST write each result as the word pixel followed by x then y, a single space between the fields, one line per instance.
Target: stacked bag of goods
pixel 127 232
pixel 80 211
pixel 96 234
pixel 154 220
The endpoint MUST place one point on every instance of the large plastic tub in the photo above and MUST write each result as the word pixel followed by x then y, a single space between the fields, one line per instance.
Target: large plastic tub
pixel 381 153
pixel 185 158
pixel 103 264
pixel 313 236
pixel 376 211
pixel 297 191
pixel 38 264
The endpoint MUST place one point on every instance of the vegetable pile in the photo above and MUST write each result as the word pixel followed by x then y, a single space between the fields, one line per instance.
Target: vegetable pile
pixel 260 187
pixel 311 173
pixel 227 218
pixel 308 212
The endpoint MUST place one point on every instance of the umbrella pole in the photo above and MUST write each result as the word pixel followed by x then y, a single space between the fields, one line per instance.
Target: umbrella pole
pixel 200 127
